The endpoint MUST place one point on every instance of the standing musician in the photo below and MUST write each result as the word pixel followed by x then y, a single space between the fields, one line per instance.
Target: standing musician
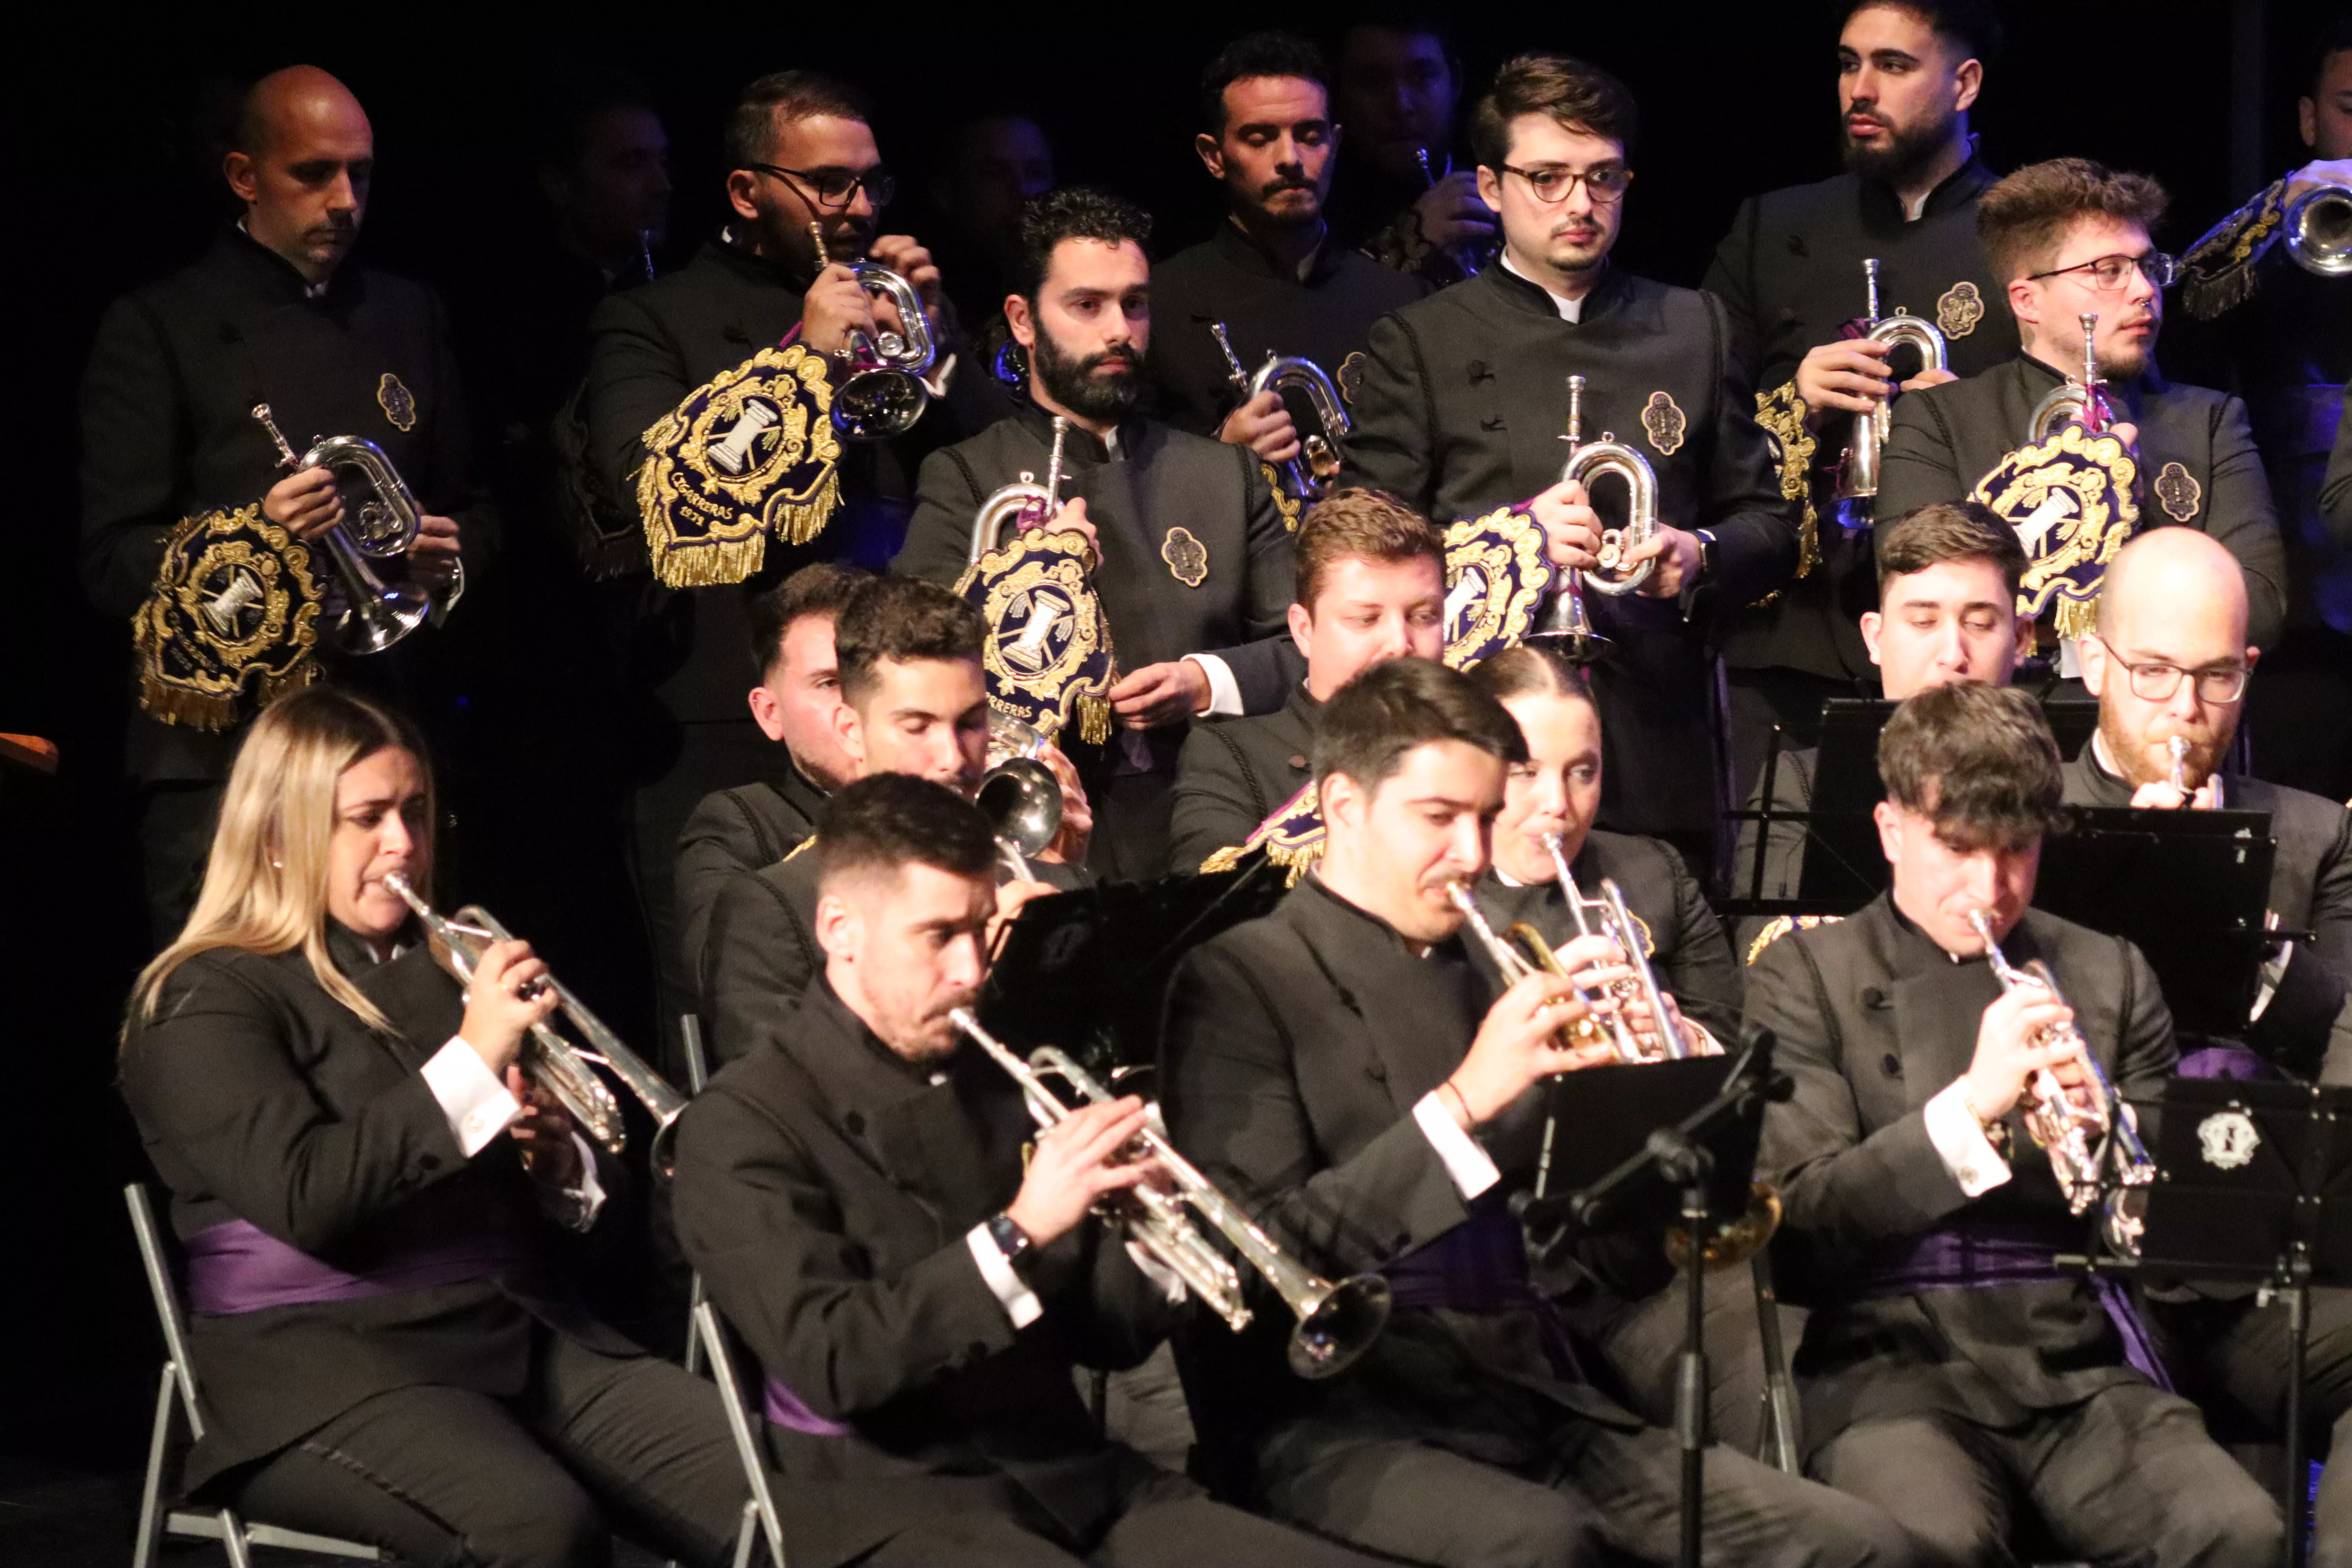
pixel 1194 552
pixel 1948 1369
pixel 1344 1070
pixel 741 829
pixel 918 1278
pixel 1465 397
pixel 1791 273
pixel 1400 198
pixel 372 1201
pixel 913 701
pixel 1372 586
pixel 1273 274
pixel 180 481
pixel 800 152
pixel 2068 239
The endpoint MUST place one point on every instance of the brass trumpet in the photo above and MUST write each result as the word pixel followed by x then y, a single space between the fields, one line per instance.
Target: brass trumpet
pixel 2073 402
pixel 1307 476
pixel 2319 231
pixel 1608 916
pixel 377 609
pixel 1858 473
pixel 558 1065
pixel 1338 1322
pixel 1025 503
pixel 883 393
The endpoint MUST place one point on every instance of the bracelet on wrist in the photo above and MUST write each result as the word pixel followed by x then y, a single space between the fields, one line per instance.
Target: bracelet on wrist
pixel 1460 1104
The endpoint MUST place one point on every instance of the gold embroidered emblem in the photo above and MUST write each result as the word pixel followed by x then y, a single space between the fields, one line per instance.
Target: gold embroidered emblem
pixel 1781 413
pixel 1047 656
pixel 399 404
pixel 1351 378
pixel 1495 575
pixel 1961 308
pixel 1780 926
pixel 1286 504
pixel 2179 491
pixel 2070 499
pixel 750 453
pixel 1665 423
pixel 231 623
pixel 1187 557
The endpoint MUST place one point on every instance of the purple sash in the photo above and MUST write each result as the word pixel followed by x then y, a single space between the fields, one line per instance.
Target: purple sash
pixel 2226 1062
pixel 1977 1256
pixel 239 1268
pixel 1481 1266
pixel 784 1408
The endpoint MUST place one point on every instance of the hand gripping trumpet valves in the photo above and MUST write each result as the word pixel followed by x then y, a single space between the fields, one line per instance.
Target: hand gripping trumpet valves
pixel 2073 402
pixel 377 611
pixel 1023 503
pixel 1309 474
pixel 1858 472
pixel 882 393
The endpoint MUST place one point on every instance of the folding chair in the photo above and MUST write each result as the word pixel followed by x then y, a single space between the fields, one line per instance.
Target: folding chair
pixel 698 1073
pixel 176 1394
pixel 759 1509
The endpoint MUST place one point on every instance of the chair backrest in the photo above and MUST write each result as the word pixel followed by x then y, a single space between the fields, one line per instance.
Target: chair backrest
pixel 166 1300
pixel 697 1067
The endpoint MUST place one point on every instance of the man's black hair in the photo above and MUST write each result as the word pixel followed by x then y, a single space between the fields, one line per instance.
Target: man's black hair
pixel 1396 706
pixel 820 588
pixel 891 821
pixel 1976 759
pixel 1258 55
pixel 902 619
pixel 1072 211
pixel 1975 25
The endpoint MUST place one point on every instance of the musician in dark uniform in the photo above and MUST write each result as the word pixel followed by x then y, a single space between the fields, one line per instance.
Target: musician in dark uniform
pixel 1464 399
pixel 1273 274
pixel 915 1281
pixel 2069 237
pixel 913 701
pixel 751 826
pixel 1372 586
pixel 374 1206
pixel 1342 1068
pixel 1791 273
pixel 1949 1370
pixel 1195 552
pixel 799 151
pixel 271 314
pixel 1400 198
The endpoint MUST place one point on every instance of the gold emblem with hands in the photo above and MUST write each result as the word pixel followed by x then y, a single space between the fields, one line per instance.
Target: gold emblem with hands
pixel 1662 420
pixel 1187 557
pixel 2179 491
pixel 399 404
pixel 1960 309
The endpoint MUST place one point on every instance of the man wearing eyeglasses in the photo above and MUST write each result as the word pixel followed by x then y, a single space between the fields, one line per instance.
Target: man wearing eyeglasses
pixel 2169 658
pixel 1271 274
pixel 1791 272
pixel 1465 397
pixel 800 153
pixel 2070 238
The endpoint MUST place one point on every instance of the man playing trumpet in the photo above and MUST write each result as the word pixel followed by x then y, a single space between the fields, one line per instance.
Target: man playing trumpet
pixel 916 1278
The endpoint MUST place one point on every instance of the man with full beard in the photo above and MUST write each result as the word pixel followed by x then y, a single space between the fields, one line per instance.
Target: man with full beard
pixel 1791 272
pixel 1192 551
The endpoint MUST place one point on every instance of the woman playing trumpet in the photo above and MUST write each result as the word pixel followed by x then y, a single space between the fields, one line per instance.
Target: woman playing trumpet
pixel 370 1198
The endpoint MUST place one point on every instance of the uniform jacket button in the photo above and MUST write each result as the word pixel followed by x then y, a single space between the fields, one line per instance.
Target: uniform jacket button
pixel 1893 1064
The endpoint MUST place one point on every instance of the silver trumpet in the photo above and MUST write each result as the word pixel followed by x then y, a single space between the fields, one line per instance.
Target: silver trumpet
pixel 883 393
pixel 563 1068
pixel 2079 1139
pixel 1025 503
pixel 1466 258
pixel 2075 402
pixel 1308 475
pixel 378 609
pixel 2319 231
pixel 1019 793
pixel 2178 746
pixel 1336 1321
pixel 1858 473
pixel 1608 916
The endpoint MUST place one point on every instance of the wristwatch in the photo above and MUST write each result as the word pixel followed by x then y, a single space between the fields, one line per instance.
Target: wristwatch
pixel 1010 1238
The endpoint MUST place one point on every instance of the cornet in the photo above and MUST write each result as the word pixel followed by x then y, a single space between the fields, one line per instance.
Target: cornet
pixel 2078 1138
pixel 2073 402
pixel 883 393
pixel 1025 503
pixel 1858 473
pixel 1523 952
pixel 1588 460
pixel 554 1063
pixel 376 611
pixel 1019 794
pixel 1336 1321
pixel 1307 476
pixel 2319 231
pixel 1608 916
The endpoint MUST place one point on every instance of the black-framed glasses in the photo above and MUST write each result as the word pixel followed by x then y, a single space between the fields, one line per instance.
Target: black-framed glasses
pixel 2156 682
pixel 2109 273
pixel 1553 183
pixel 835 189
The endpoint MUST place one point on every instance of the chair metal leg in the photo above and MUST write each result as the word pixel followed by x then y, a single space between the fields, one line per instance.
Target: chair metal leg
pixel 738 1425
pixel 747 1533
pixel 1781 1446
pixel 240 1555
pixel 151 1494
pixel 695 1297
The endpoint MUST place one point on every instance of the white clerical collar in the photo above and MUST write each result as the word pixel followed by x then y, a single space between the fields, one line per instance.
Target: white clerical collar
pixel 1570 310
pixel 1505 877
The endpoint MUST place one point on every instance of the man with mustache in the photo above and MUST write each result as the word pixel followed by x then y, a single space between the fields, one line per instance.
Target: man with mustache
pixel 917 1270
pixel 271 314
pixel 1193 553
pixel 1791 273
pixel 1273 274
pixel 2066 238
pixel 1465 397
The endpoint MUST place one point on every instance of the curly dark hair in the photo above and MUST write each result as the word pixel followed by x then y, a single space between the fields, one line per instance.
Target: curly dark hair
pixel 1072 211
pixel 1258 55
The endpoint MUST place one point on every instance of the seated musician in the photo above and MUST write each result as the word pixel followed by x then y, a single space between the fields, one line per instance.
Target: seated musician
pixel 913 701
pixel 1948 1370
pixel 1341 1069
pixel 1372 586
pixel 914 1279
pixel 750 826
pixel 372 1198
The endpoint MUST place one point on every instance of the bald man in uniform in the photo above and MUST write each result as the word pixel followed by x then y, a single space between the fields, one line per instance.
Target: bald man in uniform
pixel 2171 657
pixel 271 314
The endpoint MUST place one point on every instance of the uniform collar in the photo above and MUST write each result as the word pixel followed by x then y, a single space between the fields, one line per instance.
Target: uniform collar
pixel 798 791
pixel 1235 247
pixel 1961 186
pixel 278 276
pixel 727 254
pixel 1357 928
pixel 1534 297
pixel 1083 446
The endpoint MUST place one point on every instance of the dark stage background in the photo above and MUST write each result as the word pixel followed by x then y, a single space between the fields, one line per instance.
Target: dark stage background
pixel 108 192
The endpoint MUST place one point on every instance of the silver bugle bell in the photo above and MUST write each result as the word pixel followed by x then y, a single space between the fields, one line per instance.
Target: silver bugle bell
pixel 1023 503
pixel 1307 476
pixel 2319 231
pixel 1858 473
pixel 378 608
pixel 1019 794
pixel 882 394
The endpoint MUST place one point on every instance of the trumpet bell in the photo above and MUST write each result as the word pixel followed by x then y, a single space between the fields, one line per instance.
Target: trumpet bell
pixel 878 403
pixel 1340 1327
pixel 1738 1242
pixel 1564 626
pixel 1022 802
pixel 365 614
pixel 2319 231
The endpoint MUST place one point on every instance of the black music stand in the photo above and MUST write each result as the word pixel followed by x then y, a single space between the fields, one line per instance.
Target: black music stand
pixel 1694 1166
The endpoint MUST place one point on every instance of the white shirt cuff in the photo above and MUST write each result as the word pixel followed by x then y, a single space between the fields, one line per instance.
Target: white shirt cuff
pixel 1225 691
pixel 477 1104
pixel 576 1209
pixel 2272 973
pixel 937 382
pixel 1960 1143
pixel 1471 1170
pixel 1021 1303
